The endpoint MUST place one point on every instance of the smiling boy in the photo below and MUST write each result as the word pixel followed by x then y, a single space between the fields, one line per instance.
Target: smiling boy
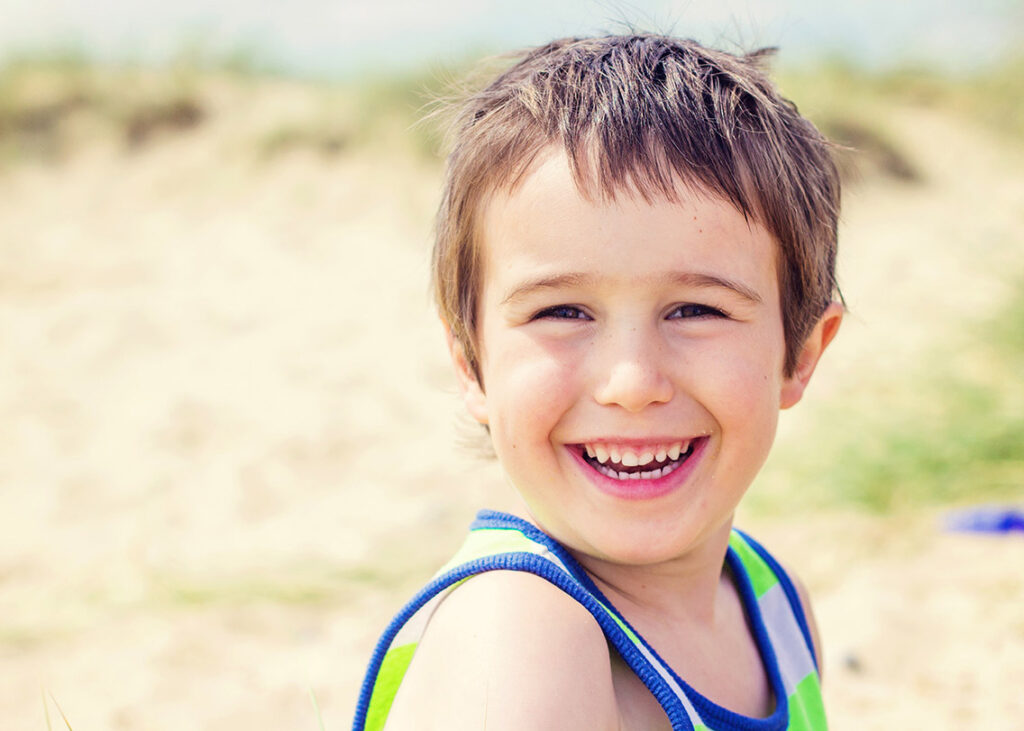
pixel 635 263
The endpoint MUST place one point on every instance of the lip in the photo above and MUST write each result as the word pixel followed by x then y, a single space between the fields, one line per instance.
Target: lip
pixel 641 489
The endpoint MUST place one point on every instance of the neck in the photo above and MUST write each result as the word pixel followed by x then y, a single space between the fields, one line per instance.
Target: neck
pixel 685 589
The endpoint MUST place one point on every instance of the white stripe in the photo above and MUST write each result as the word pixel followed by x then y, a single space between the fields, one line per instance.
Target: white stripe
pixel 413 629
pixel 662 671
pixel 695 718
pixel 795 660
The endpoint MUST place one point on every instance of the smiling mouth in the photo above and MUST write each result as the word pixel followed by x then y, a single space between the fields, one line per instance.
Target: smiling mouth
pixel 631 463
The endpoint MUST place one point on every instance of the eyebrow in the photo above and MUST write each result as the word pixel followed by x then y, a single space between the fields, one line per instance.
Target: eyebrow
pixel 571 279
pixel 702 280
pixel 699 280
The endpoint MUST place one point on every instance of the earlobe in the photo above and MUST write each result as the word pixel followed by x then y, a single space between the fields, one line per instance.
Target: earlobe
pixel 469 385
pixel 810 353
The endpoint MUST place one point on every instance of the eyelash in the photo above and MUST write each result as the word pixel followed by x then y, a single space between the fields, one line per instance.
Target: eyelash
pixel 702 311
pixel 695 311
pixel 552 312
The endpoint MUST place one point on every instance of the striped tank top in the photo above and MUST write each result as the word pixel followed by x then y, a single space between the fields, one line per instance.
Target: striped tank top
pixel 498 541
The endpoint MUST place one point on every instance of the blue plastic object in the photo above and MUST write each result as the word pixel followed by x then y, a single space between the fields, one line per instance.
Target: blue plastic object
pixel 988 519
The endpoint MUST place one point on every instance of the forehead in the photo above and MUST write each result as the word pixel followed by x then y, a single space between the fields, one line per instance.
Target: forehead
pixel 545 226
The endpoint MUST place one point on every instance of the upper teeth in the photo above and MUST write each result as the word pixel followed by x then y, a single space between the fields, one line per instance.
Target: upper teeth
pixel 633 457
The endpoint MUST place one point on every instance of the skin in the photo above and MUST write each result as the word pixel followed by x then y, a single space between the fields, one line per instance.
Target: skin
pixel 612 322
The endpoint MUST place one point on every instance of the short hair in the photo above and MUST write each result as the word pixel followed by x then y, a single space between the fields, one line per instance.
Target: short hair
pixel 644 113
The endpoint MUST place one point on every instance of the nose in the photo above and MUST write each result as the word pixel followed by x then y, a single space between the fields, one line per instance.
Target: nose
pixel 634 374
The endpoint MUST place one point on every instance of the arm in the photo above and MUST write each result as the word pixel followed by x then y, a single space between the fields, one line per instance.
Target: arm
pixel 507 650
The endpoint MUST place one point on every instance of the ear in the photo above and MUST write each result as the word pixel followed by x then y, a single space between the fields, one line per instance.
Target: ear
pixel 469 386
pixel 810 352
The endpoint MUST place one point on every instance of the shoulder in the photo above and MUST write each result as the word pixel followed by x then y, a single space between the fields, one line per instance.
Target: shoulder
pixel 508 650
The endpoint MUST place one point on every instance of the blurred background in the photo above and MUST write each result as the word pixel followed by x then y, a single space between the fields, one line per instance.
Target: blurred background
pixel 230 446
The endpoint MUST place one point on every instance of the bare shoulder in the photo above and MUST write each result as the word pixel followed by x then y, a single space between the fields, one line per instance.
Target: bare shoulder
pixel 812 623
pixel 508 650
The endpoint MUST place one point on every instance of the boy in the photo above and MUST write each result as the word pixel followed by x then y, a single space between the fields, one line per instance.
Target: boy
pixel 635 263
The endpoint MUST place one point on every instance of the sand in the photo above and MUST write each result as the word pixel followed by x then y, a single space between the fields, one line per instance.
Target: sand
pixel 229 440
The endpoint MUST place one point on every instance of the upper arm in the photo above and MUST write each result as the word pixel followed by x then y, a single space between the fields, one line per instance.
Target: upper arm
pixel 508 650
pixel 812 624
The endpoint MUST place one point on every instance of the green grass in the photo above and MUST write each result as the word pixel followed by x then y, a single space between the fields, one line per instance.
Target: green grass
pixel 309 587
pixel 992 96
pixel 950 433
pixel 51 108
pixel 389 111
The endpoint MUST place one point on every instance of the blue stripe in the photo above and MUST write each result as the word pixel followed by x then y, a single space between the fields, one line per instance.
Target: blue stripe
pixel 531 563
pixel 790 591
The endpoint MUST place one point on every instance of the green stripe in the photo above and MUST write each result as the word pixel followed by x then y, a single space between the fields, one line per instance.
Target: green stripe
pixel 806 711
pixel 622 625
pixel 392 670
pixel 485 542
pixel 490 542
pixel 761 577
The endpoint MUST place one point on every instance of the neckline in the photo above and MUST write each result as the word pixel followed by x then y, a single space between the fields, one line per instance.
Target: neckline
pixel 722 718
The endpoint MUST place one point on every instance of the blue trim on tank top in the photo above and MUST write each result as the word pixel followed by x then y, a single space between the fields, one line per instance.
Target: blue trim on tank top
pixel 790 590
pixel 712 712
pixel 532 563
pixel 708 709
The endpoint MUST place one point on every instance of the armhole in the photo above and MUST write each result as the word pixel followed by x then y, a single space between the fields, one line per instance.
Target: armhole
pixel 790 591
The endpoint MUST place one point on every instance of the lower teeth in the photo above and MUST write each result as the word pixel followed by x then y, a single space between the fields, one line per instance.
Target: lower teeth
pixel 652 475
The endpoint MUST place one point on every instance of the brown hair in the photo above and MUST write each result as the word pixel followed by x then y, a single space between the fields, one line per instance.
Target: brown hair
pixel 644 113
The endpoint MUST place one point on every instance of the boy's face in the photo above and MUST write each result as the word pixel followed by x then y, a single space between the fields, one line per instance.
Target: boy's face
pixel 612 334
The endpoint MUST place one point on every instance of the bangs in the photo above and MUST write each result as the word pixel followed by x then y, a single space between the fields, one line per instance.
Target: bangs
pixel 643 115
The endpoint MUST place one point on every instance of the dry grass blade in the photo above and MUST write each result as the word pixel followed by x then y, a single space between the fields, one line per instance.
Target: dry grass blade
pixel 316 707
pixel 46 709
pixel 60 711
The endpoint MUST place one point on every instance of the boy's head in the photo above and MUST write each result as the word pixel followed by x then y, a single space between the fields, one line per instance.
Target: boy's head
pixel 644 114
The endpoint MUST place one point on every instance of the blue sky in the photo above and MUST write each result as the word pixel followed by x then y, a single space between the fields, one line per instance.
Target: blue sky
pixel 342 37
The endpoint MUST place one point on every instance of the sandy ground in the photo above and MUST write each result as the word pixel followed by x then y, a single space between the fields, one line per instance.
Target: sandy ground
pixel 229 439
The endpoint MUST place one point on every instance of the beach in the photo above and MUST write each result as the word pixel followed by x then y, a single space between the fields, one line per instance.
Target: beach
pixel 231 445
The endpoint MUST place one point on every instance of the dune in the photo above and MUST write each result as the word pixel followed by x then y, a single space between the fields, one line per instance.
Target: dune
pixel 230 445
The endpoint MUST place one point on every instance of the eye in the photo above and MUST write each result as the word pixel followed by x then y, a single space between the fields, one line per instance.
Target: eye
pixel 562 312
pixel 695 311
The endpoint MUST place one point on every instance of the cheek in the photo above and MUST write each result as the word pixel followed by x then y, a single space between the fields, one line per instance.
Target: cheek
pixel 531 390
pixel 744 393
